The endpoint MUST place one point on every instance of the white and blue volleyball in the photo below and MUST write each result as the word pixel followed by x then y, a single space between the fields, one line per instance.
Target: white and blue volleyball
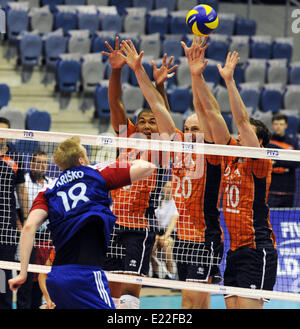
pixel 202 20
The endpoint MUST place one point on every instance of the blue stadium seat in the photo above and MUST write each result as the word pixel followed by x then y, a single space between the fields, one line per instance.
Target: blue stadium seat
pixel 121 5
pixel 37 120
pixel 88 21
pixel 245 26
pixel 52 4
pixel 293 124
pixel 102 108
pixel 239 74
pixel 212 3
pixel 143 3
pixel 250 95
pixel 54 46
pixel 157 22
pixel 98 41
pixel 211 73
pixel 66 21
pixel 26 146
pixel 226 24
pixel 218 48
pixel 17 21
pixel 294 73
pixel 177 23
pixel 75 2
pixel 67 75
pixel 169 4
pixel 30 49
pixel 180 99
pixel 271 98
pixel 261 47
pixel 172 46
pixel 4 94
pixel 282 48
pixel 228 119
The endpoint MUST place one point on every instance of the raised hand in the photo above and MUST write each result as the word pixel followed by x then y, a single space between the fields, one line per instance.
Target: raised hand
pixel 228 70
pixel 161 74
pixel 195 55
pixel 132 58
pixel 116 60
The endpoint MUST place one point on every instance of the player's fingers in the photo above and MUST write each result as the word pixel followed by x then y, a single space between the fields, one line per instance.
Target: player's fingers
pixel 105 53
pixel 117 43
pixel 170 61
pixel 164 59
pixel 108 46
pixel 173 68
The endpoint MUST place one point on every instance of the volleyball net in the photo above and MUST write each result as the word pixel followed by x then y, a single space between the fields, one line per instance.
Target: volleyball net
pixel 196 204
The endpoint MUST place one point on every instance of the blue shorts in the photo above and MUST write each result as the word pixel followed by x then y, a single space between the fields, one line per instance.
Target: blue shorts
pixel 79 287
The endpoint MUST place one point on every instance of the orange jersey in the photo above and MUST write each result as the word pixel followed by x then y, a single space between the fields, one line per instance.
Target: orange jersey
pixel 246 184
pixel 130 202
pixel 196 202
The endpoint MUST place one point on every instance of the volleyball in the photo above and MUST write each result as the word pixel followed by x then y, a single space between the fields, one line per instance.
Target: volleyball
pixel 202 20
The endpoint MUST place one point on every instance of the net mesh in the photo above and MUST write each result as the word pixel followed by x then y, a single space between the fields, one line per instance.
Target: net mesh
pixel 179 198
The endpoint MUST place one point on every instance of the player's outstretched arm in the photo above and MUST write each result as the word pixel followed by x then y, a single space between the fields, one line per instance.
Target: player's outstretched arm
pixel 238 108
pixel 34 221
pixel 161 74
pixel 207 107
pixel 166 126
pixel 140 169
pixel 117 110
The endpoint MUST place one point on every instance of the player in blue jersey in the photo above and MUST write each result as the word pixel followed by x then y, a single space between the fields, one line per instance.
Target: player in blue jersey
pixel 77 205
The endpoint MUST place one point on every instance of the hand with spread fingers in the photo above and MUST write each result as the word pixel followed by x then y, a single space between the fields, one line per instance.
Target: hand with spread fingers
pixel 195 55
pixel 115 55
pixel 131 56
pixel 228 70
pixel 165 72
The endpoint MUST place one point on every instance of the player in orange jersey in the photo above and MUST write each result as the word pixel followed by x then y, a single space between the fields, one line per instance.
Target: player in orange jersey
pixel 196 178
pixel 133 240
pixel 252 259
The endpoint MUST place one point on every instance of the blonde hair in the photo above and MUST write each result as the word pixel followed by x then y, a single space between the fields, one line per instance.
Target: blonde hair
pixel 68 152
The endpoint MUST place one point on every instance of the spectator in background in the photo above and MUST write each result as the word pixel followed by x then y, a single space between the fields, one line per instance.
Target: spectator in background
pixel 11 180
pixel 282 189
pixel 29 296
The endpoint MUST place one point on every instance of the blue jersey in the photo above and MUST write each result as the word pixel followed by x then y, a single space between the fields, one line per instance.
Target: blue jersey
pixel 78 196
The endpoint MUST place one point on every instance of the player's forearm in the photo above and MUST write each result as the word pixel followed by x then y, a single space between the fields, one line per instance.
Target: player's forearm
pixel 117 111
pixel 161 89
pixel 238 109
pixel 156 102
pixel 26 245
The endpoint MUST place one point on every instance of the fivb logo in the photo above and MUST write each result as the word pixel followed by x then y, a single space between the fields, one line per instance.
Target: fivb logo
pixel 2 21
pixel 296 22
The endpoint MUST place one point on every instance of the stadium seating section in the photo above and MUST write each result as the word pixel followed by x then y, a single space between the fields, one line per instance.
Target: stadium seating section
pixel 68 36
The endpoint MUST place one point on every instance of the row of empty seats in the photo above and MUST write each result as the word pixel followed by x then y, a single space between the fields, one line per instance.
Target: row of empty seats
pixel 171 5
pixel 33 119
pixel 136 20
